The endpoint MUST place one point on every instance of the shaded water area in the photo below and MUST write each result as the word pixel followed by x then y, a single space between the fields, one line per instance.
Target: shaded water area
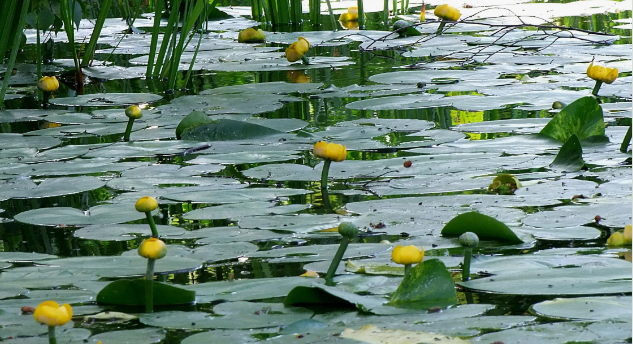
pixel 428 121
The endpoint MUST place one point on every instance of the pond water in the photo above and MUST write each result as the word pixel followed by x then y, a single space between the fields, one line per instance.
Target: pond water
pixel 428 122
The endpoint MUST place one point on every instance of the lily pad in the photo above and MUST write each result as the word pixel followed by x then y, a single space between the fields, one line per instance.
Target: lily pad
pixel 569 158
pixel 583 117
pixel 429 284
pixel 586 308
pixel 65 216
pixel 107 99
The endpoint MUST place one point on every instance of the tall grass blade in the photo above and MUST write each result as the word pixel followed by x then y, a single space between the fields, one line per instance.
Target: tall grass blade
pixel 284 12
pixel 361 14
pixel 385 12
pixel 256 10
pixel 158 12
pixel 297 11
pixel 96 32
pixel 329 8
pixel 14 49
pixel 315 12
pixel 172 22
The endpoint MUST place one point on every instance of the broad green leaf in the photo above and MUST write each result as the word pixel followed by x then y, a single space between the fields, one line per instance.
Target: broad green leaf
pixel 132 293
pixel 230 129
pixel 229 315
pixel 247 289
pixel 554 333
pixel 586 308
pixel 569 158
pixel 428 285
pixel 65 216
pixel 374 335
pixel 138 336
pixel 484 226
pixel 583 117
pixel 106 99
pixel 192 120
pixel 302 326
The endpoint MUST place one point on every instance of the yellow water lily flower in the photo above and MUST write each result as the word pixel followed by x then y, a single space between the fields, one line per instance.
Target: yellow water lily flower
pixel 627 234
pixel 48 84
pixel 330 151
pixel 616 239
pixel 600 73
pixel 297 49
pixel 447 12
pixel 310 273
pixel 152 248
pixel 145 204
pixel 251 35
pixel 407 254
pixel 351 15
pixel 133 112
pixel 52 314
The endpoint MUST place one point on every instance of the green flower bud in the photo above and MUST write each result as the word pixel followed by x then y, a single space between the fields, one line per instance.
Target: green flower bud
pixel 469 239
pixel 348 230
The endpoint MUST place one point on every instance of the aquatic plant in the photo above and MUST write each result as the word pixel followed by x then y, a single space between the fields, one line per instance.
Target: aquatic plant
pixel 328 152
pixel 467 240
pixel 446 13
pixel 601 75
pixel 51 314
pixel 348 231
pixel 407 256
pixel 296 51
pixel 133 112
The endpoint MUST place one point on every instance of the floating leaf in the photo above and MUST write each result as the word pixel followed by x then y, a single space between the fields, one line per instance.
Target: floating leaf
pixel 374 335
pixel 586 308
pixel 484 226
pixel 132 293
pixel 107 99
pixel 428 285
pixel 192 120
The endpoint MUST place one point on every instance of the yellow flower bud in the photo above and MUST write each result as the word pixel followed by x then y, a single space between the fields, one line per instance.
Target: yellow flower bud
pixel 52 314
pixel 145 204
pixel 48 84
pixel 616 239
pixel 297 49
pixel 251 35
pixel 330 151
pixel 627 234
pixel 447 12
pixel 152 248
pixel 133 111
pixel 600 73
pixel 351 15
pixel 407 254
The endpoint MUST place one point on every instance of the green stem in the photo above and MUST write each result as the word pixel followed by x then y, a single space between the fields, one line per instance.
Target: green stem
pixel 152 224
pixel 45 97
pixel 305 60
pixel 407 269
pixel 385 12
pixel 624 147
pixel 324 191
pixel 128 130
pixel 596 88
pixel 51 335
pixel 329 8
pixel 440 28
pixel 149 286
pixel 329 277
pixel 468 252
pixel 395 7
pixel 361 14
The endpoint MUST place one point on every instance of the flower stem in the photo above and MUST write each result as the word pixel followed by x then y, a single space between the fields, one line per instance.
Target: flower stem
pixel 624 147
pixel 149 286
pixel 329 276
pixel 305 60
pixel 152 224
pixel 51 335
pixel 324 191
pixel 128 130
pixel 468 252
pixel 440 28
pixel 596 88
pixel 45 99
pixel 407 269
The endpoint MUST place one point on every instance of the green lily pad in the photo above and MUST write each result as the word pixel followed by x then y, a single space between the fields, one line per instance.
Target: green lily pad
pixel 138 336
pixel 428 285
pixel 51 188
pixel 229 315
pixel 65 216
pixel 238 210
pixel 132 293
pixel 246 289
pixel 484 226
pixel 583 117
pixel 586 308
pixel 554 333
pixel 234 196
pixel 107 99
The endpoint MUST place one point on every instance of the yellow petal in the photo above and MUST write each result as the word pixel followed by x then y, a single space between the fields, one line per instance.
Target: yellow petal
pixel 627 234
pixel 52 314
pixel 616 239
pixel 145 204
pixel 310 273
pixel 152 248
pixel 292 55
pixel 302 45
